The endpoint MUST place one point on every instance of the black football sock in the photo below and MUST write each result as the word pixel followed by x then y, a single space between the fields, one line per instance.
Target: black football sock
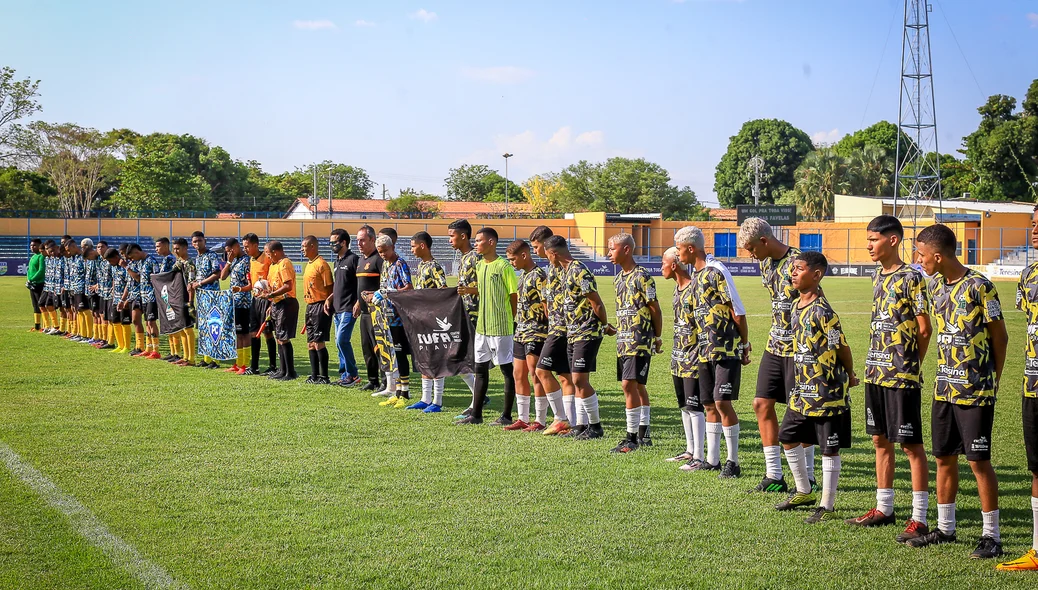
pixel 506 371
pixel 315 364
pixel 272 348
pixel 290 359
pixel 482 382
pixel 322 356
pixel 256 344
pixel 281 360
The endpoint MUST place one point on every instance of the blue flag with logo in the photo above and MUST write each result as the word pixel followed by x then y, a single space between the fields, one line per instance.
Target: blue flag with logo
pixel 216 338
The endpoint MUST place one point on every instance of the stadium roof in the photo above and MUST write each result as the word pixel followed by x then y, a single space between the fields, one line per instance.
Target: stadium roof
pixel 964 205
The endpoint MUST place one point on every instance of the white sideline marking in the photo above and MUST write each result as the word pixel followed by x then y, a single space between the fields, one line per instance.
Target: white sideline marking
pixel 88 526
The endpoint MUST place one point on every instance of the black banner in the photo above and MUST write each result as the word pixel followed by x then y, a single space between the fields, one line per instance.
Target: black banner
pixel 775 215
pixel 438 329
pixel 171 297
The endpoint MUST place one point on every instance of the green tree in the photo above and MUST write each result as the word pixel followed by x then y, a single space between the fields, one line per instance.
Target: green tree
pixel 870 171
pixel 78 161
pixel 1003 151
pixel 782 147
pixel 822 174
pixel 883 135
pixel 468 183
pixel 162 172
pixel 411 203
pixel 17 101
pixel 24 189
pixel 574 193
pixel 494 189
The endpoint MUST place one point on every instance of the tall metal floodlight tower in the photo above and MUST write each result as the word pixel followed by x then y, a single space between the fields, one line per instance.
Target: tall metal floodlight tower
pixel 918 177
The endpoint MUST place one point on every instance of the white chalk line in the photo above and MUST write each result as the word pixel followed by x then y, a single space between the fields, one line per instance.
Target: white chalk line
pixel 88 526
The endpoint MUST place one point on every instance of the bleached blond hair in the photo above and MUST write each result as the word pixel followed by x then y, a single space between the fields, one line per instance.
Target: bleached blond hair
pixel 672 254
pixel 690 234
pixel 753 229
pixel 623 239
pixel 383 241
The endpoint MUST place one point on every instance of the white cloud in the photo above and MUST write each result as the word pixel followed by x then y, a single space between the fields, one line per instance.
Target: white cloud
pixel 825 137
pixel 499 74
pixel 423 15
pixel 363 23
pixel 314 25
pixel 534 155
pixel 1032 17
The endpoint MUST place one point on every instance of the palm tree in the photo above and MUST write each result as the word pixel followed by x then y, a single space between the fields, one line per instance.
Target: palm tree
pixel 870 171
pixel 822 174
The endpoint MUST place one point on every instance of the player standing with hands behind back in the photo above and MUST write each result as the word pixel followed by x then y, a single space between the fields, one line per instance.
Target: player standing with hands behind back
pixel 971 352
pixel 639 326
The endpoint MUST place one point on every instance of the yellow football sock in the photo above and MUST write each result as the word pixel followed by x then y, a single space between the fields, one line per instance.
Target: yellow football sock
pixel 37 319
pixel 89 321
pixel 246 356
pixel 78 324
pixel 237 361
pixel 138 340
pixel 54 323
pixel 117 333
pixel 192 344
pixel 45 319
pixel 153 344
pixel 173 344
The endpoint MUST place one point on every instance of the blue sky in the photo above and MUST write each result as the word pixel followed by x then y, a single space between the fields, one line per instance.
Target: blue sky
pixel 408 90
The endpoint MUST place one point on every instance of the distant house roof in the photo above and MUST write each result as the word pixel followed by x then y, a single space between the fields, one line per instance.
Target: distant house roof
pixel 446 208
pixel 960 204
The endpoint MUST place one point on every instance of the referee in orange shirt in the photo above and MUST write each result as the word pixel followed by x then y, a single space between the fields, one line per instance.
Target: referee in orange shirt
pixel 284 309
pixel 317 288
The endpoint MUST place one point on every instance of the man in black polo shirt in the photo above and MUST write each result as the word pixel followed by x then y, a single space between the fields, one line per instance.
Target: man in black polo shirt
pixel 369 276
pixel 343 304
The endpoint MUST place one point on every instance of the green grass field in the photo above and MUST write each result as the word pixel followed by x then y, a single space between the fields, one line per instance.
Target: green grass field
pixel 240 482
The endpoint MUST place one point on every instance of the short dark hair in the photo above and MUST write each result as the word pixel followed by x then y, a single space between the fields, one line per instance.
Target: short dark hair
pixel 36 241
pixel 49 243
pixel 162 240
pixel 111 253
pixel 134 248
pixel 197 234
pixel 461 226
pixel 66 238
pixel 886 225
pixel 556 243
pixel 541 233
pixel 310 239
pixel 517 246
pixel 368 230
pixel 230 243
pixel 342 236
pixel 489 232
pixel 423 237
pixel 940 237
pixel 102 243
pixel 814 261
pixel 180 242
pixel 250 238
pixel 388 231
pixel 275 246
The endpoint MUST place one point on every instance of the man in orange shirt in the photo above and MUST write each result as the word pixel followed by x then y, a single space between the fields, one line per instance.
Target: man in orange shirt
pixel 317 288
pixel 259 266
pixel 284 308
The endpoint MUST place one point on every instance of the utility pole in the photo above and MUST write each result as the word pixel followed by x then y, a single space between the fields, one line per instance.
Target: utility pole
pixel 757 173
pixel 383 192
pixel 918 176
pixel 329 195
pixel 506 156
pixel 314 201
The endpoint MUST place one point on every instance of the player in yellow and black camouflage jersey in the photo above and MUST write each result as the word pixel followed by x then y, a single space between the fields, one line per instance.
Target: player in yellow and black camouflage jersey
pixel 819 407
pixel 724 347
pixel 430 275
pixel 639 325
pixel 775 374
pixel 554 359
pixel 971 352
pixel 1027 302
pixel 530 332
pixel 684 361
pixel 900 332
pixel 460 234
pixel 585 317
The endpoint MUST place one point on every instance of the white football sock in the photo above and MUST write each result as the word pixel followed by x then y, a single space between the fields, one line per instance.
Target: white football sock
pixel 523 403
pixel 427 390
pixel 698 433
pixel 884 500
pixel 773 462
pixel 731 439
pixel 470 380
pixel 540 408
pixel 686 423
pixel 990 528
pixel 1034 514
pixel 391 382
pixel 633 416
pixel 830 479
pixel 946 518
pixel 713 442
pixel 644 416
pixel 591 410
pixel 920 504
pixel 797 467
pixel 558 406
pixel 569 402
pixel 809 459
pixel 438 391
